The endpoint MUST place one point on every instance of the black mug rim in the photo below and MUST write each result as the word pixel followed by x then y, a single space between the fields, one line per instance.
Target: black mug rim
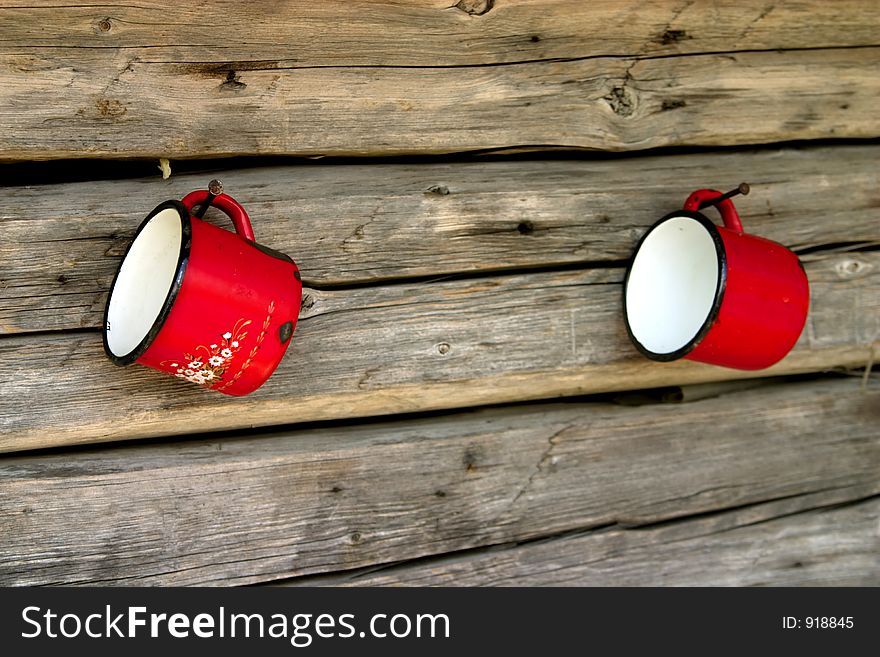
pixel 176 282
pixel 720 287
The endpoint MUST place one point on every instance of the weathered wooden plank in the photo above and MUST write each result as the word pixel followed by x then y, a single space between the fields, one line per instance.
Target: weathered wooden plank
pixel 60 244
pixel 112 97
pixel 414 347
pixel 432 33
pixel 236 510
pixel 827 547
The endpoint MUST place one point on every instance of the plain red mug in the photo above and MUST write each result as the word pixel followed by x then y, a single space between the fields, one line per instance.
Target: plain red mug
pixel 202 303
pixel 713 294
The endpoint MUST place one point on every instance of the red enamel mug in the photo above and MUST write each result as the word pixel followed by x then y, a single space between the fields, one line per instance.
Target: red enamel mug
pixel 202 303
pixel 712 293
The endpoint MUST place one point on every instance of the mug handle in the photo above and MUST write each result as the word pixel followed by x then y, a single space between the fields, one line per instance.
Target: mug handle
pixel 729 215
pixel 228 205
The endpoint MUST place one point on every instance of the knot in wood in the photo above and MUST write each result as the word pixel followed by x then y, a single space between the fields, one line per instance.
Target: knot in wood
pixel 475 7
pixel 673 36
pixel 852 268
pixel 621 100
pixel 232 82
pixel 525 228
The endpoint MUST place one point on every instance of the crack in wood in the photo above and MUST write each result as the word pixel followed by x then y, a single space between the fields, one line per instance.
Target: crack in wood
pixel 552 441
pixel 595 530
pixel 761 16
pixel 211 68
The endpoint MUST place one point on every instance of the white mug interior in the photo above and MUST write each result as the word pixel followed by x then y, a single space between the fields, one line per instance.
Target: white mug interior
pixel 144 281
pixel 672 285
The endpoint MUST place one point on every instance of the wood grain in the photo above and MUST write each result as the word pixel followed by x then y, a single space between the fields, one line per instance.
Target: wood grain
pixel 620 493
pixel 836 546
pixel 342 78
pixel 61 244
pixel 404 348
pixel 431 33
pixel 248 509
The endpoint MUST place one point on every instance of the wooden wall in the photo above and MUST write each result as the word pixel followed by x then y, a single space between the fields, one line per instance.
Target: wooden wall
pixel 481 415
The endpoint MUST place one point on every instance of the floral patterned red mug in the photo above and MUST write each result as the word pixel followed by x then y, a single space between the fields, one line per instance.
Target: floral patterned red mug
pixel 202 303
